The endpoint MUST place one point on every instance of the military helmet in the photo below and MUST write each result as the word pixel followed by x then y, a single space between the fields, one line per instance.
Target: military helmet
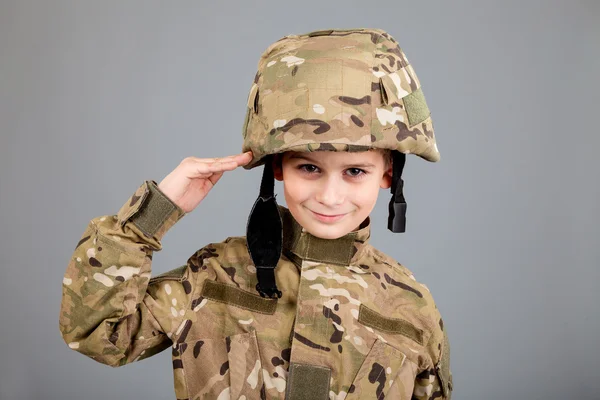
pixel 345 90
pixel 331 90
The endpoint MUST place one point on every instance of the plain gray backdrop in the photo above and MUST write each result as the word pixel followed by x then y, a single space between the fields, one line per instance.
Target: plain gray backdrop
pixel 96 97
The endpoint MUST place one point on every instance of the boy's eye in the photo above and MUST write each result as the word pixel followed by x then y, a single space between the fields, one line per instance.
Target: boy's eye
pixel 354 172
pixel 308 168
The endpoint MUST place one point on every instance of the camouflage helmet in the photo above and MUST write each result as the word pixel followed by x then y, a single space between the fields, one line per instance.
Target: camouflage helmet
pixel 330 90
pixel 344 90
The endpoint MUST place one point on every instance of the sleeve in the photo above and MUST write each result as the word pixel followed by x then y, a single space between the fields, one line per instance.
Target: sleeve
pixel 436 382
pixel 110 309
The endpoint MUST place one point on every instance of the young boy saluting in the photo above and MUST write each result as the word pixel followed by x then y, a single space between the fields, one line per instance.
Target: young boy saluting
pixel 302 307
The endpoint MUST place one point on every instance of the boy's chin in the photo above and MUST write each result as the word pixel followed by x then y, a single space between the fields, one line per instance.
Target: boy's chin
pixel 324 230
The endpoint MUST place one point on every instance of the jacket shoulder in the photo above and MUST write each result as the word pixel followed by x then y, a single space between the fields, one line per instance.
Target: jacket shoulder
pixel 391 262
pixel 232 250
pixel 227 261
pixel 423 301
pixel 226 252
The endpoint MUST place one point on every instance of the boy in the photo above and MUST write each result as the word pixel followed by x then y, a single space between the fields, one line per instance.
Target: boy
pixel 302 307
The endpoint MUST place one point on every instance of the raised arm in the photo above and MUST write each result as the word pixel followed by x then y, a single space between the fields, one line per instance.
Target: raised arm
pixel 106 312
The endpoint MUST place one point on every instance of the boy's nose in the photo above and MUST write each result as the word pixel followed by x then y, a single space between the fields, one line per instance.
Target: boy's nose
pixel 330 193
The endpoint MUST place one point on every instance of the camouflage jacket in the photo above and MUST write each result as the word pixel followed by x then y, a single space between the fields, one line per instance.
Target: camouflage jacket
pixel 352 323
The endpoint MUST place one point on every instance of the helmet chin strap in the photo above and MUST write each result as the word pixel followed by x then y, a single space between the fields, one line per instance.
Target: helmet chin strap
pixel 397 206
pixel 264 234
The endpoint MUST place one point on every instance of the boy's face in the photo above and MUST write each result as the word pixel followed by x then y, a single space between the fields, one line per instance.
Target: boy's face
pixel 331 193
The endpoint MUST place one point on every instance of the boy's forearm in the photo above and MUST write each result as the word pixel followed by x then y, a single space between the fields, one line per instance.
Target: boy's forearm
pixel 102 313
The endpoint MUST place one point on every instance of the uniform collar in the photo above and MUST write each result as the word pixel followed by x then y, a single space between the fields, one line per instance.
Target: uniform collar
pixel 299 245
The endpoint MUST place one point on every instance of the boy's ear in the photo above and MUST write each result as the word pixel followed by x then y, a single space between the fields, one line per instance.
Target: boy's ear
pixel 386 179
pixel 277 167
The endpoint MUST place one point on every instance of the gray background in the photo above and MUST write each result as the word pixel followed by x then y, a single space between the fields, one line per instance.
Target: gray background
pixel 96 97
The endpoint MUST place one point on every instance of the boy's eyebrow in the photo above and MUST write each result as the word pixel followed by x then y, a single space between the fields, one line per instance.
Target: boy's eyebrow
pixel 300 155
pixel 361 165
pixel 354 165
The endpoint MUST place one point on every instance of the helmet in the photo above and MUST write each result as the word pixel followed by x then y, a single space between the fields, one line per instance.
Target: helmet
pixel 331 90
pixel 339 90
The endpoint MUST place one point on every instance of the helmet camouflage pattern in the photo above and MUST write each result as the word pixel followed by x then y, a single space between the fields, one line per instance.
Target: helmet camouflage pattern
pixel 341 90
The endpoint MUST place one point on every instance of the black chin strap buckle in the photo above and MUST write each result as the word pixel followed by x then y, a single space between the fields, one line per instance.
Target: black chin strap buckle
pixel 397 206
pixel 397 212
pixel 266 285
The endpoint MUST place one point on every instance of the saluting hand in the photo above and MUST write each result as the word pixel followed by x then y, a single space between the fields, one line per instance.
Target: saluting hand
pixel 189 183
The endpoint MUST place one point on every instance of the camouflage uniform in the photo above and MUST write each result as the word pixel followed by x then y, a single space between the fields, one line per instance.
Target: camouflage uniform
pixel 352 323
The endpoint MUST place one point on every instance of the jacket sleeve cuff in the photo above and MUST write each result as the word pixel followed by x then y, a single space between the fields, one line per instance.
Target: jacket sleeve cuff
pixel 150 212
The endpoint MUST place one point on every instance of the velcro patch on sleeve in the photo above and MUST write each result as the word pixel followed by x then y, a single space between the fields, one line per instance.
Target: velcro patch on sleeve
pixel 155 210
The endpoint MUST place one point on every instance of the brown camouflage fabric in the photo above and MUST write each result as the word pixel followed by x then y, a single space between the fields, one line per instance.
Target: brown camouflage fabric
pixel 340 90
pixel 352 323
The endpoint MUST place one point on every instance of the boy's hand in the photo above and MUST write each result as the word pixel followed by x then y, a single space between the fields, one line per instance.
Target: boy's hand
pixel 193 178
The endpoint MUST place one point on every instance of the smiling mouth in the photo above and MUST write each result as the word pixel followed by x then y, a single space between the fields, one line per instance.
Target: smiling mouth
pixel 328 219
pixel 330 216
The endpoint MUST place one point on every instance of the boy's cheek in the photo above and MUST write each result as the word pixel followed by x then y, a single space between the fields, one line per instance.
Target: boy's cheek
pixel 367 193
pixel 295 185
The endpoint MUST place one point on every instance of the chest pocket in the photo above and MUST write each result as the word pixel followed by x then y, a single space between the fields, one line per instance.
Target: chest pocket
pixel 386 372
pixel 383 366
pixel 222 368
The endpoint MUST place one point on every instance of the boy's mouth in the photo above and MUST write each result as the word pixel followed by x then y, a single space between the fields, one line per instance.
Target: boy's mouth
pixel 326 217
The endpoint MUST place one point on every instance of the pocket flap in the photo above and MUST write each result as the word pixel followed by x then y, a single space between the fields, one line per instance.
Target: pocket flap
pixel 380 368
pixel 205 367
pixel 245 368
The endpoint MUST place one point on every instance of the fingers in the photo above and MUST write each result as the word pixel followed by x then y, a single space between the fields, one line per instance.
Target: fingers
pixel 204 167
pixel 240 158
pixel 214 178
pixel 245 158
